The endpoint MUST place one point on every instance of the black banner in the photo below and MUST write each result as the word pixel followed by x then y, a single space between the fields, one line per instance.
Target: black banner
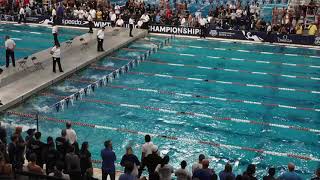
pixel 240 35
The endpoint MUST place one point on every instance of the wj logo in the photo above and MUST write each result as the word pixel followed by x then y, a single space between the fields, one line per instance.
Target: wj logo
pixel 213 32
pixel 317 41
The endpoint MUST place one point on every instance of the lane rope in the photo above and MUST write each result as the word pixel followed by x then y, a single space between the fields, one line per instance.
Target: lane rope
pixel 224 69
pixel 173 138
pixel 199 96
pixel 108 68
pixel 194 114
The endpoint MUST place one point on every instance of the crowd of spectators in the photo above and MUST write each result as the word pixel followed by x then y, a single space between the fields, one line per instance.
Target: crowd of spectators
pixel 62 158
pixel 232 15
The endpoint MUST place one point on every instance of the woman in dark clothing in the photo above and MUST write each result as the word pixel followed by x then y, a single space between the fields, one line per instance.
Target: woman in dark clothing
pixel 130 157
pixel 51 155
pixel 85 158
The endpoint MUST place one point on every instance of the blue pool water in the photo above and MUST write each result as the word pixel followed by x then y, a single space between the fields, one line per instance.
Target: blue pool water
pixel 32 39
pixel 195 55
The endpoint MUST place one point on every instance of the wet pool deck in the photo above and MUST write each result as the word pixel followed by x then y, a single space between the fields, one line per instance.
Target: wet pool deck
pixel 16 85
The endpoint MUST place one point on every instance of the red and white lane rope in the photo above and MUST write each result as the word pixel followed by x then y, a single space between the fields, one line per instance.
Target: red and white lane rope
pixel 248 60
pixel 201 96
pixel 241 50
pixel 174 138
pixel 224 69
pixel 212 81
pixel 195 114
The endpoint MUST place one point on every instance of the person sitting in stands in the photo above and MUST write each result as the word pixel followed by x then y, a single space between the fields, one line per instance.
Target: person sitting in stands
pixel 205 173
pixel 32 165
pixel 58 171
pixel 291 175
pixel 312 29
pixel 271 172
pixel 227 172
pixel 183 173
pixel 164 169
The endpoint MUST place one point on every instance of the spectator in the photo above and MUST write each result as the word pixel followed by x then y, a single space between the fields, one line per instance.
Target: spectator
pixel 32 165
pixel 152 161
pixel 227 172
pixel 271 173
pixel 62 144
pixel 29 138
pixel 317 173
pixel 72 137
pixel 249 174
pixel 89 175
pixel 291 174
pixel 205 173
pixel 312 29
pixel 37 147
pixel 147 147
pixel 51 156
pixel 119 22
pixel 6 171
pixel 299 29
pixel 128 173
pixel 72 161
pixel 130 157
pixel 198 165
pixel 113 18
pixel 164 169
pixel 10 45
pixel 20 147
pixel 108 159
pixel 85 158
pixel 58 171
pixel 13 155
pixel 182 173
pixel 3 135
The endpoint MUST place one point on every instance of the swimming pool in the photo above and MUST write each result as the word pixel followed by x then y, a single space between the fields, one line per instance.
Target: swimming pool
pixel 31 38
pixel 230 101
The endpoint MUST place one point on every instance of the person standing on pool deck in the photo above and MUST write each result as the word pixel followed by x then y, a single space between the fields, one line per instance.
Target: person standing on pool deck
pixel 100 37
pixel 90 19
pixel 131 24
pixel 55 52
pixel 22 15
pixel 108 158
pixel 55 33
pixel 202 22
pixel 9 45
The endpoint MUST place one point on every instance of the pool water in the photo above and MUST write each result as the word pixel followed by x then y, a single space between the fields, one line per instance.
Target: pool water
pixel 30 39
pixel 191 75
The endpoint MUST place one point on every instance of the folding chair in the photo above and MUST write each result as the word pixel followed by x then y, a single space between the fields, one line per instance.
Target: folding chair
pixel 84 44
pixel 23 63
pixel 69 42
pixel 37 64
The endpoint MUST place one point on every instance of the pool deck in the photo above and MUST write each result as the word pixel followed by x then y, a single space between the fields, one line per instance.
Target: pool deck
pixel 16 85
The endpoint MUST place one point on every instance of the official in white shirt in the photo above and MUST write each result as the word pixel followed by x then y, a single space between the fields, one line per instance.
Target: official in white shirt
pixel 56 55
pixel 54 15
pixel 145 19
pixel 55 33
pixel 22 15
pixel 100 37
pixel 203 22
pixel 119 22
pixel 90 23
pixel 9 44
pixel 113 18
pixel 131 24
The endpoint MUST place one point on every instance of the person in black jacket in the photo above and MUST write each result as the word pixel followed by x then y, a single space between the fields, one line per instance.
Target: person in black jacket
pixel 13 152
pixel 36 147
pixel 85 158
pixel 271 172
pixel 130 157
pixel 51 156
pixel 3 134
pixel 151 161
pixel 62 145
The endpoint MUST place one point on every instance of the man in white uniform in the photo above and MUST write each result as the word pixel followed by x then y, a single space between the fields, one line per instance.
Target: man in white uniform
pixel 119 22
pixel 145 19
pixel 90 23
pixel 22 15
pixel 131 24
pixel 9 45
pixel 55 33
pixel 100 37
